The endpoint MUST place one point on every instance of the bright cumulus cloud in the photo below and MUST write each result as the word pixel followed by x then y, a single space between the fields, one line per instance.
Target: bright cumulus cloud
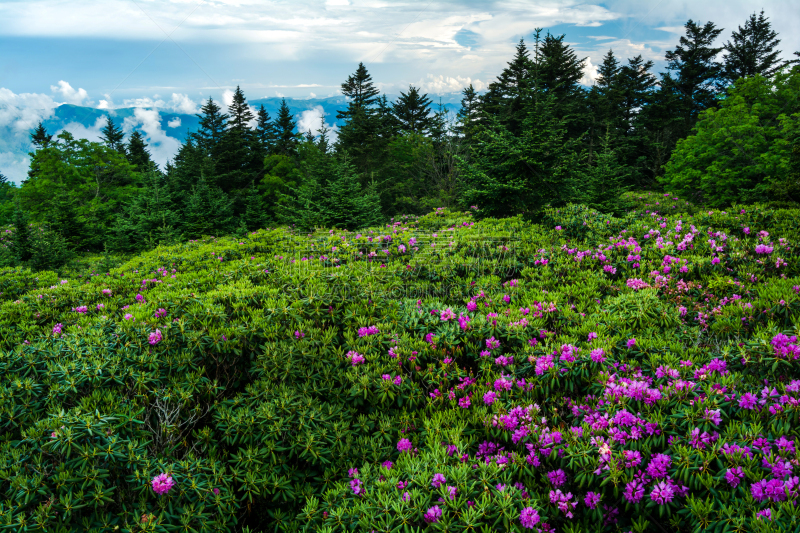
pixel 162 147
pixel 313 120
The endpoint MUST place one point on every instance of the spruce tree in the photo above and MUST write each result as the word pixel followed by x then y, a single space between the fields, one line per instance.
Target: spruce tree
pixel 360 91
pixel 212 127
pixel 138 154
pixel 238 158
pixel 413 112
pixel 40 137
pixel 265 131
pixel 467 117
pixel 287 139
pixel 753 50
pixel 208 210
pixel 560 69
pixel 697 72
pixel 363 129
pixel 508 96
pixel 112 135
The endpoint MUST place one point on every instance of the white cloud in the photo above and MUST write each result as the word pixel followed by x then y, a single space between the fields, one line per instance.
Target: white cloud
pixel 174 123
pixel 162 147
pixel 70 95
pixel 312 120
pixel 337 2
pixel 19 114
pixel 448 84
pixel 91 133
pixel 181 103
pixel 589 73
pixel 227 97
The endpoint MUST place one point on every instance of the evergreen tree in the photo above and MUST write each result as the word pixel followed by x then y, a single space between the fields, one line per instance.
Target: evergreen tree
pixel 696 70
pixel 506 98
pixel 560 69
pixel 413 112
pixel 510 174
pixel 265 131
pixel 360 92
pixel 254 214
pixel 361 134
pixel 40 137
pixel 238 159
pixel 113 136
pixel 287 139
pixel 138 154
pixel 148 219
pixel 467 118
pixel 21 243
pixel 636 83
pixel 604 179
pixel 212 127
pixel 208 210
pixel 753 50
pixel 190 161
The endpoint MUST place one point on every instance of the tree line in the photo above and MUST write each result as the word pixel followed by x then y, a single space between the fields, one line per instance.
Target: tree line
pixel 536 136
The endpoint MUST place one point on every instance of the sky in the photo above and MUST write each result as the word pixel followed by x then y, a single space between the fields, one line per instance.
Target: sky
pixel 169 55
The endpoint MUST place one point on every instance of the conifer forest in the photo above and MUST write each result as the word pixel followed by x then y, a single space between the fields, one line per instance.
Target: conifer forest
pixel 561 308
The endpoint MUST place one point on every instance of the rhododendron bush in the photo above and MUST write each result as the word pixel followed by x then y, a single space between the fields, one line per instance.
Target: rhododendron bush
pixel 577 373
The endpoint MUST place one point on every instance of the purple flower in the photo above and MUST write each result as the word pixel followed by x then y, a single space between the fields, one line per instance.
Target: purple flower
pixel 57 329
pixel 299 334
pixel 634 491
pixel 387 465
pixel 155 337
pixel 464 402
pixel 355 358
pixel 488 398
pixel 557 477
pixel 598 355
pixel 433 515
pixel 659 464
pixel 357 487
pixel 748 401
pixel 734 476
pixel 662 493
pixel 631 343
pixel 438 480
pixel 766 513
pixel 404 445
pixel 713 416
pixel 592 500
pixel 162 484
pixel 451 491
pixel 529 517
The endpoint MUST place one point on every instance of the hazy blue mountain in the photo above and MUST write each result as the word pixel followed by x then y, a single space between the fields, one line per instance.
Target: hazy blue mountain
pixel 88 116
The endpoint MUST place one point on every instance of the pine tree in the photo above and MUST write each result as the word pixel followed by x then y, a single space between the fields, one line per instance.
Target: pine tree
pixel 753 50
pixel 360 91
pixel 208 210
pixel 238 158
pixel 636 83
pixel 240 114
pixel 254 214
pixel 507 97
pixel 413 112
pixel 148 219
pixel 39 137
pixel 560 69
pixel 287 139
pixel 138 154
pixel 265 129
pixel 696 71
pixel 113 136
pixel 467 117
pixel 212 127
pixel 362 133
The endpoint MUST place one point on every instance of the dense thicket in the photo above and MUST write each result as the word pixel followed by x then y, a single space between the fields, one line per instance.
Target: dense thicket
pixel 536 137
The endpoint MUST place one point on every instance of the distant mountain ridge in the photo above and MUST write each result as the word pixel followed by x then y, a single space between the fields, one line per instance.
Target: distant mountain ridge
pixel 87 117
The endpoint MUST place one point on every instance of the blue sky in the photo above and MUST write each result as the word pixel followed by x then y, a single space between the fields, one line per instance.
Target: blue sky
pixel 171 54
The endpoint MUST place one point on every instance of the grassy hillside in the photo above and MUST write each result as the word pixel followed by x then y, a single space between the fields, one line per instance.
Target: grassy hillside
pixel 442 373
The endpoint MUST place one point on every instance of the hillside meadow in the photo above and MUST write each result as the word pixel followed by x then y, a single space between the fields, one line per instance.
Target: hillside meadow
pixel 446 373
